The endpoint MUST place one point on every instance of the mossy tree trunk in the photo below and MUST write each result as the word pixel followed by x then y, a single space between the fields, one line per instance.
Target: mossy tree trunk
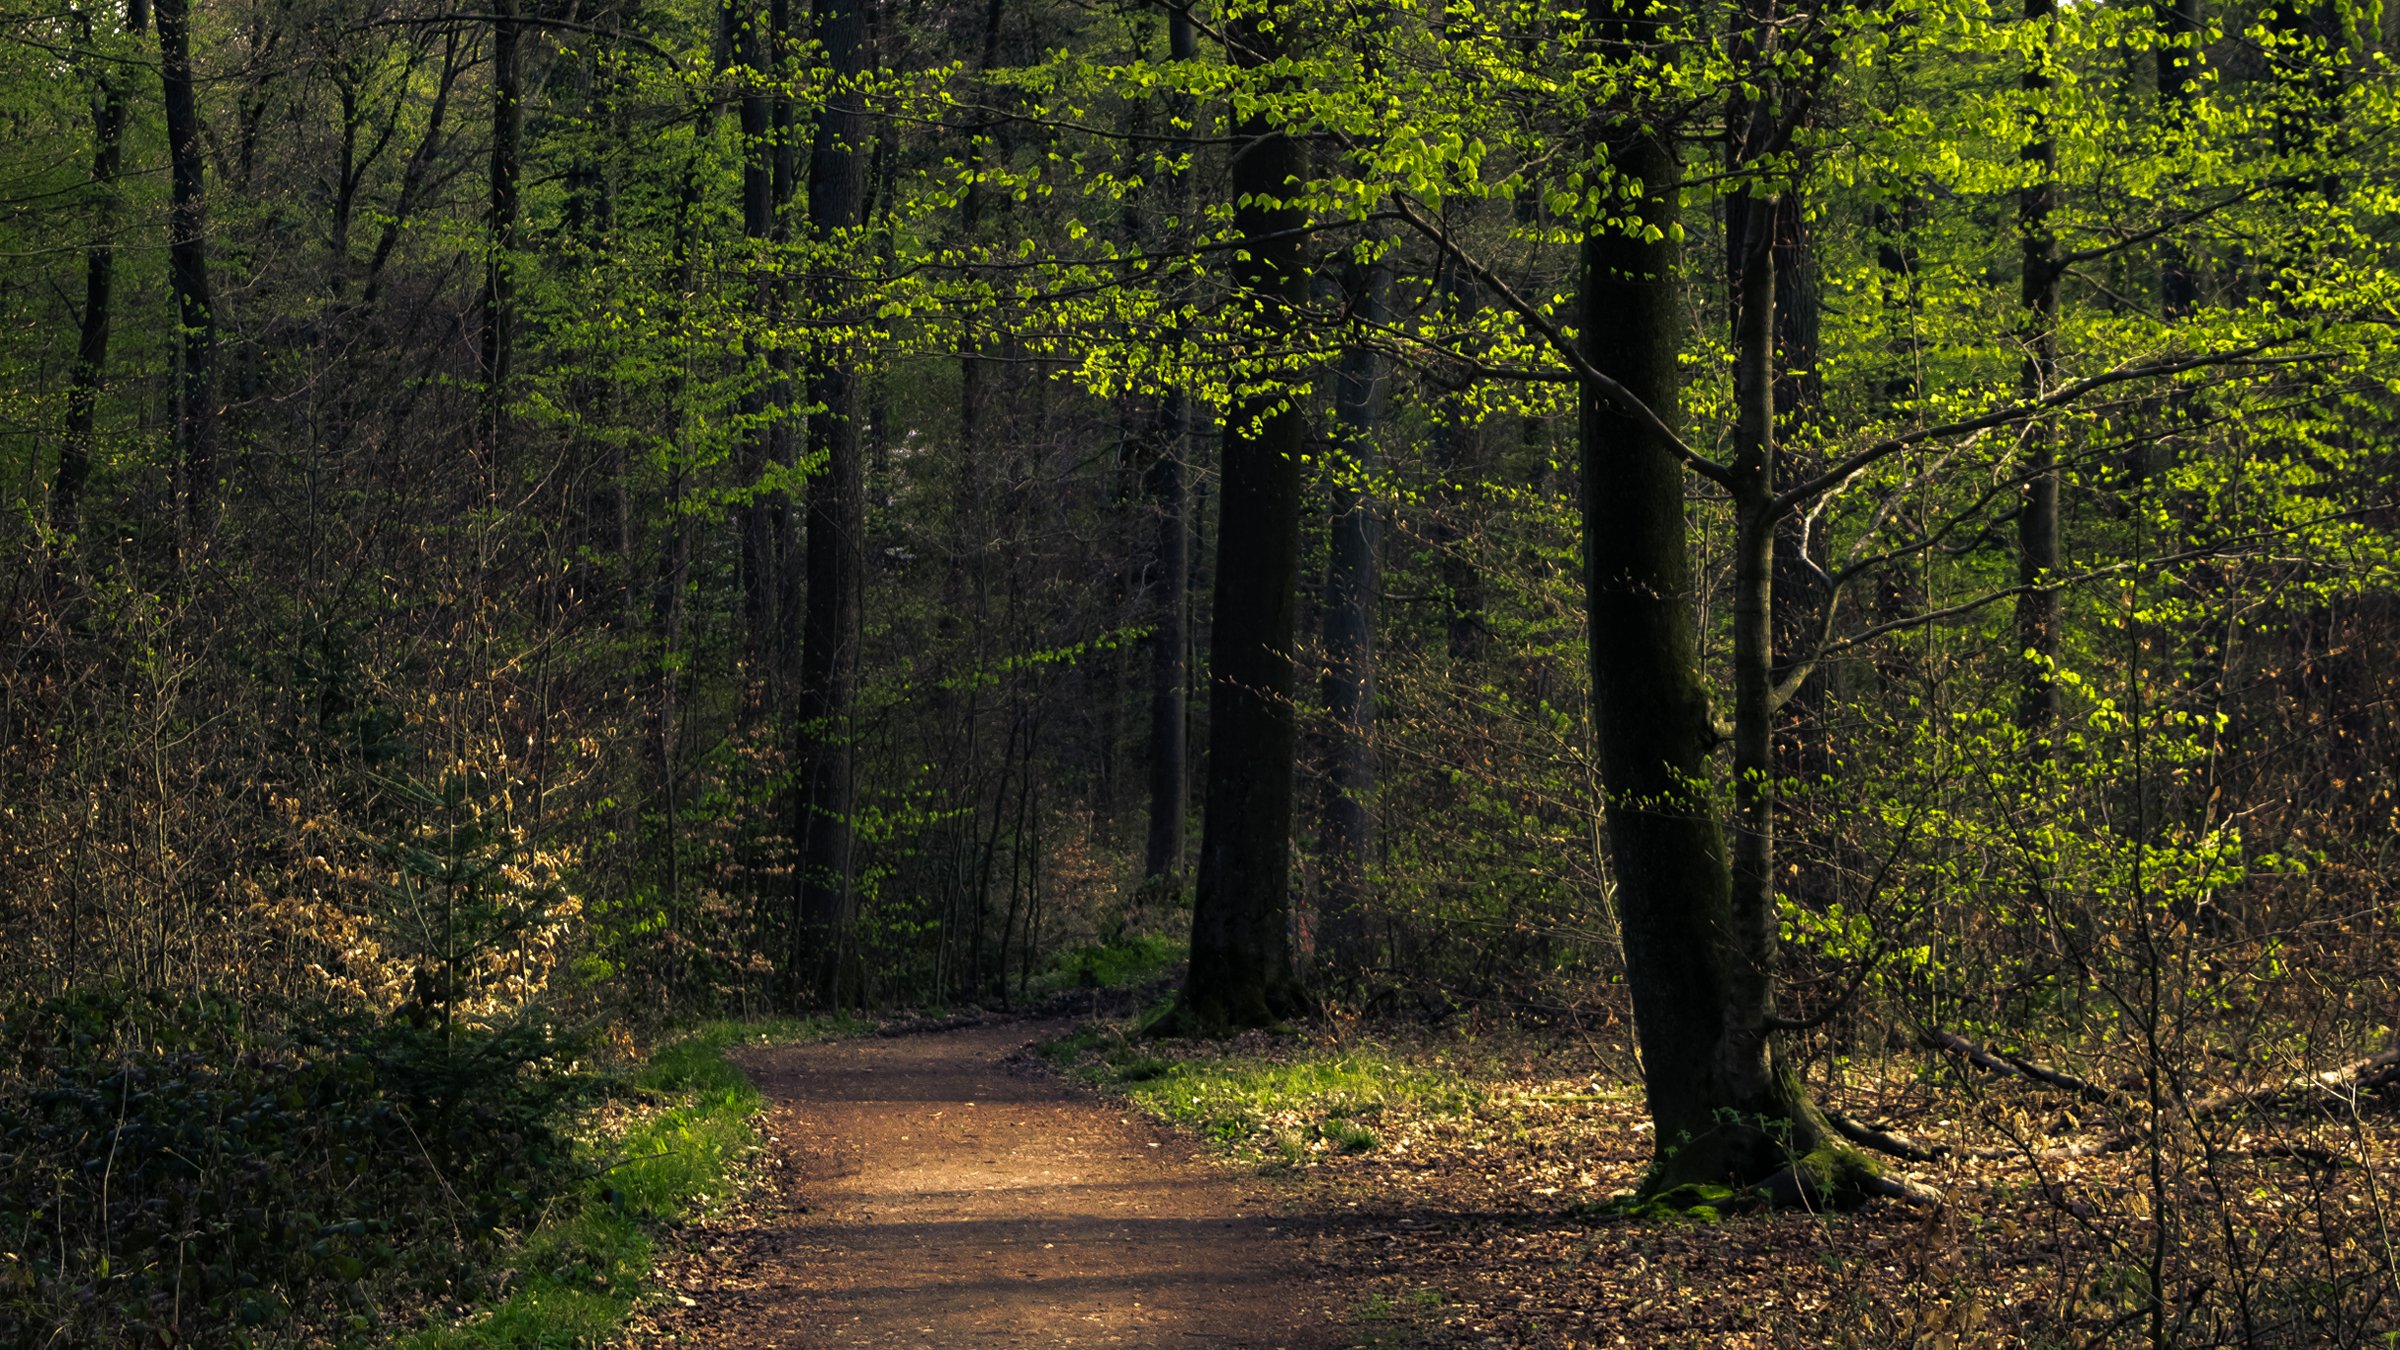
pixel 1698 922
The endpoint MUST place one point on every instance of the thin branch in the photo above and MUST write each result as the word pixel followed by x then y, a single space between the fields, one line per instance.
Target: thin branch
pixel 2194 216
pixel 2018 412
pixel 1617 394
pixel 530 21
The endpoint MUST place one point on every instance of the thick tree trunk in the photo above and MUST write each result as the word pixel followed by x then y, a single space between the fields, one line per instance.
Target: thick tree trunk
pixel 1725 1111
pixel 1241 963
pixel 2037 513
pixel 825 964
pixel 99 290
pixel 187 272
pixel 1346 828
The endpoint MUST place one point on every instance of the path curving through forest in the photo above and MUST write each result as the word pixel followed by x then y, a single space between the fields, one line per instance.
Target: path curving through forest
pixel 940 1190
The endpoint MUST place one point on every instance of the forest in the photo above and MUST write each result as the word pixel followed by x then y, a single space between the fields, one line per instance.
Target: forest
pixel 1820 573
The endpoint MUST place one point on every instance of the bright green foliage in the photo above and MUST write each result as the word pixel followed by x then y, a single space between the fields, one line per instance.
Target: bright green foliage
pixel 1277 1108
pixel 583 1269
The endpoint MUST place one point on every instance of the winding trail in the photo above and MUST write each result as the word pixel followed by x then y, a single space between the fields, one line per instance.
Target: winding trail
pixel 939 1190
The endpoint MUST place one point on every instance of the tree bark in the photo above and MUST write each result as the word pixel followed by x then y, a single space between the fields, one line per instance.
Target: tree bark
pixel 1353 582
pixel 1773 222
pixel 1455 530
pixel 2037 513
pixel 1170 591
pixel 99 290
pixel 499 283
pixel 187 272
pixel 825 962
pixel 754 520
pixel 1698 955
pixel 1241 964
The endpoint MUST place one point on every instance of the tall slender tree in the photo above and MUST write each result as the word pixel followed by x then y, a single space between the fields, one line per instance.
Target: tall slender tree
pixel 506 167
pixel 1353 583
pixel 1163 481
pixel 2037 332
pixel 99 295
pixel 187 271
pixel 825 961
pixel 1241 964
pixel 2179 57
pixel 760 410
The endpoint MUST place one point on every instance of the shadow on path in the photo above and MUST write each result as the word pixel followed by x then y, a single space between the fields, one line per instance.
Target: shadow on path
pixel 931 1193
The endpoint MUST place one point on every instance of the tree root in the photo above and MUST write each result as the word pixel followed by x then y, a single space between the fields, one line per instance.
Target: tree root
pixel 1834 1177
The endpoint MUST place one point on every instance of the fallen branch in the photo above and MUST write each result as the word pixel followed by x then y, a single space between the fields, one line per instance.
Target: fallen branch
pixel 2004 1062
pixel 2374 1071
pixel 1883 1141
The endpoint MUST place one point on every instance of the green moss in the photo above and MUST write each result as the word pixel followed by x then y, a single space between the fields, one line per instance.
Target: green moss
pixel 1835 1174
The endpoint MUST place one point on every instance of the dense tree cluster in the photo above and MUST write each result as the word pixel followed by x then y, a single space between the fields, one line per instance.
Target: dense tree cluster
pixel 1778 519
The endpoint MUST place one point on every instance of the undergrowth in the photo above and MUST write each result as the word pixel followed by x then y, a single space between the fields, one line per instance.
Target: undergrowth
pixel 1128 961
pixel 658 1160
pixel 181 1174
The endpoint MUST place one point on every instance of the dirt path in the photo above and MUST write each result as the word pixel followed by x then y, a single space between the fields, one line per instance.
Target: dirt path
pixel 934 1193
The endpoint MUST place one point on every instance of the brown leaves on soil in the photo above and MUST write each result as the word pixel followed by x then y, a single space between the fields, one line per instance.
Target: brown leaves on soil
pixel 1476 1219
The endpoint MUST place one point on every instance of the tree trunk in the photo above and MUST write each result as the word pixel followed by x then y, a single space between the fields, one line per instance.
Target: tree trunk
pixel 2037 514
pixel 754 520
pixel 1724 1109
pixel 1170 592
pixel 1346 828
pixel 499 283
pixel 2178 83
pixel 99 289
pixel 187 272
pixel 1455 533
pixel 825 964
pixel 1241 963
pixel 1776 224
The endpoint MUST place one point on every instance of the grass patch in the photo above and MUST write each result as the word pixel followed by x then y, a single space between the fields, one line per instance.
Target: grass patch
pixel 661 1153
pixel 1283 1105
pixel 1387 1322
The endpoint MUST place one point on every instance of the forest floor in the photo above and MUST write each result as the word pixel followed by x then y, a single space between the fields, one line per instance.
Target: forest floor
pixel 947 1189
pixel 1063 1183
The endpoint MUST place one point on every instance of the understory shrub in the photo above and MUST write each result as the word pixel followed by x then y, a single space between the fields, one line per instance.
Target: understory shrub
pixel 177 1173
